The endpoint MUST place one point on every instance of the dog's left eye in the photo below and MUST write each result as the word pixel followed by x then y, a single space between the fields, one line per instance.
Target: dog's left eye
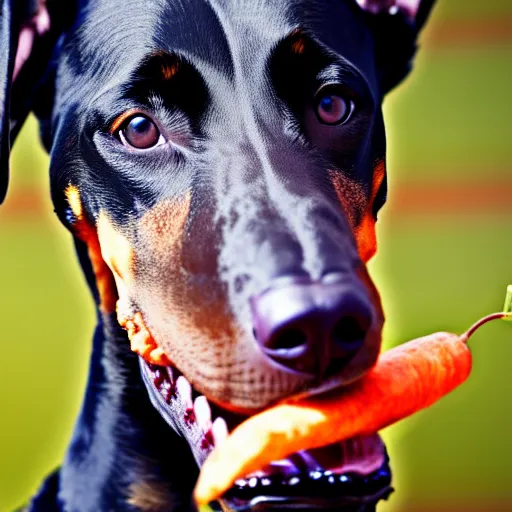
pixel 332 109
pixel 140 132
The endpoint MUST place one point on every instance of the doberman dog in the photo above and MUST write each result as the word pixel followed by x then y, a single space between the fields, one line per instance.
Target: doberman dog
pixel 220 164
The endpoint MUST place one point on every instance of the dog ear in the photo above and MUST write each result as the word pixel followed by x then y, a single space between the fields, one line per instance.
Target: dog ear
pixel 29 30
pixel 396 25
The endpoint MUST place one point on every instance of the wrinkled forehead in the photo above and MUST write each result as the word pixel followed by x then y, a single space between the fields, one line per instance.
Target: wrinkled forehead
pixel 226 36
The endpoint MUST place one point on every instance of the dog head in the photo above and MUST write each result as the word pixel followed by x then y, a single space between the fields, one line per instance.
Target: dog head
pixel 223 164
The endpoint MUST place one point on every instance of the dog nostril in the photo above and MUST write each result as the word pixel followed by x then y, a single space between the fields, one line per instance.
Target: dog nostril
pixel 288 339
pixel 311 328
pixel 349 333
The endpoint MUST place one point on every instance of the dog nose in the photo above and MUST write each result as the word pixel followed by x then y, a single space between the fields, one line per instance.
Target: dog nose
pixel 310 327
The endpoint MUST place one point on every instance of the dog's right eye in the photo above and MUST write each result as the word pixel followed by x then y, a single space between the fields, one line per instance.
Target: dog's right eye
pixel 140 132
pixel 332 109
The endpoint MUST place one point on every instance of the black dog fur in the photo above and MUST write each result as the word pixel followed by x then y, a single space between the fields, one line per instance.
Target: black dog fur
pixel 238 74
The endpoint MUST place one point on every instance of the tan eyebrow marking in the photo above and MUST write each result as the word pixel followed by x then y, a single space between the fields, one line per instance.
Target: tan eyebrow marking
pixel 169 64
pixel 297 41
pixel 299 45
pixel 169 70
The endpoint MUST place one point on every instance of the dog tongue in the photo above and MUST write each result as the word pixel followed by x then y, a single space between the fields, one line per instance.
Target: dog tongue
pixel 362 455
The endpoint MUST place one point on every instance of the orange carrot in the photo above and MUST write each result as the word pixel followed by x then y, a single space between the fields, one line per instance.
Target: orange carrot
pixel 405 380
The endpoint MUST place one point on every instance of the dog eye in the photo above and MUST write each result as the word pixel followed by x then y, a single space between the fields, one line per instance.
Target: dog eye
pixel 332 109
pixel 141 133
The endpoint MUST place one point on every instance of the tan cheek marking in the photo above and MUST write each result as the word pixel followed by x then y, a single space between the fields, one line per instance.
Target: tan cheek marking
pixel 182 307
pixel 86 232
pixel 150 496
pixel 351 196
pixel 74 201
pixel 365 231
pixel 120 258
pixel 366 238
pixel 119 255
pixel 115 248
pixel 163 227
pixel 358 208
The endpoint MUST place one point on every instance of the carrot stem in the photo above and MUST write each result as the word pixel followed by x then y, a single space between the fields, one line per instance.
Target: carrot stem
pixel 484 320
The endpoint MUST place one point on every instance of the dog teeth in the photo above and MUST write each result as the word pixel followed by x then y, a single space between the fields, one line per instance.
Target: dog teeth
pixel 241 482
pixel 265 482
pixel 170 374
pixel 253 482
pixel 158 378
pixel 185 391
pixel 203 413
pixel 220 431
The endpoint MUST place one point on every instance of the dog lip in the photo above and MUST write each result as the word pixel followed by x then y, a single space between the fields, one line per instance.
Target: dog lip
pixel 342 503
pixel 184 409
pixel 358 473
pixel 318 490
pixel 329 385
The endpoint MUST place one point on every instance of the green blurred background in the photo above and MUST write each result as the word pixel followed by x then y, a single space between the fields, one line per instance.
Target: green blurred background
pixel 445 259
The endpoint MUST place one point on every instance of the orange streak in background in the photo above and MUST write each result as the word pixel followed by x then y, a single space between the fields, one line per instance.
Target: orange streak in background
pixel 469 33
pixel 426 199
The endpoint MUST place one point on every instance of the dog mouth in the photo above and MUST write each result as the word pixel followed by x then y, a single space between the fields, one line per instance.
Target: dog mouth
pixel 351 475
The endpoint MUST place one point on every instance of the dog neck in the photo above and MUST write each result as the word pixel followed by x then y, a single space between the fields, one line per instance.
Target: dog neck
pixel 122 455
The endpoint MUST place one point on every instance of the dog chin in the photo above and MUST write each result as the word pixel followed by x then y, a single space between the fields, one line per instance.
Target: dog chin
pixel 353 475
